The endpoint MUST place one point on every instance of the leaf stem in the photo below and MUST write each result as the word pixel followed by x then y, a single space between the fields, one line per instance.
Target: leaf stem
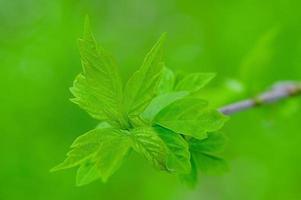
pixel 279 91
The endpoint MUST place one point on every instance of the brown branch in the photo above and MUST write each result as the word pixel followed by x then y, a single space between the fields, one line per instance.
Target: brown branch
pixel 279 91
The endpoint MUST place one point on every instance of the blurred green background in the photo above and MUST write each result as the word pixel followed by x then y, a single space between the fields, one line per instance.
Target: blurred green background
pixel 249 44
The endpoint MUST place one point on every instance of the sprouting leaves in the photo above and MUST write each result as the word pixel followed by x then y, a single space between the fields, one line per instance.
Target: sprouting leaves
pixel 155 114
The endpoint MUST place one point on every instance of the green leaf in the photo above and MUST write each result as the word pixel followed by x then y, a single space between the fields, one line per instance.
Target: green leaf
pixel 190 116
pixel 178 159
pixel 191 178
pixel 77 156
pixel 87 173
pixel 210 164
pixel 111 153
pixel 194 82
pixel 85 99
pixel 160 102
pixel 99 88
pixel 213 143
pixel 202 152
pixel 147 142
pixel 141 87
pixel 203 159
pixel 167 81
pixel 104 147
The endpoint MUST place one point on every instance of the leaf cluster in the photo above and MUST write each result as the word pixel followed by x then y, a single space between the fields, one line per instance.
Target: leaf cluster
pixel 155 113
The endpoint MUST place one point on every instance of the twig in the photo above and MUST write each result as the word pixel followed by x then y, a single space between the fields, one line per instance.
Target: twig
pixel 279 91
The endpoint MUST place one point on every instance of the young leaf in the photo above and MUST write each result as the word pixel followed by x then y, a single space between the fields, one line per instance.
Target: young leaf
pixel 147 142
pixel 194 82
pixel 77 156
pixel 99 88
pixel 203 153
pixel 111 153
pixel 167 81
pixel 103 147
pixel 141 87
pixel 160 102
pixel 150 115
pixel 213 143
pixel 191 178
pixel 190 116
pixel 210 164
pixel 95 135
pixel 83 98
pixel 178 159
pixel 87 173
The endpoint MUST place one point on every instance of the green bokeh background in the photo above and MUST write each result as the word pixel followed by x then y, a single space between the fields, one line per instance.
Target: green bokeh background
pixel 250 44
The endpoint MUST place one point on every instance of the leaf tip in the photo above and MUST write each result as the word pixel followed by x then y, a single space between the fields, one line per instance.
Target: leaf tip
pixel 55 169
pixel 80 183
pixel 162 38
pixel 87 29
pixel 87 26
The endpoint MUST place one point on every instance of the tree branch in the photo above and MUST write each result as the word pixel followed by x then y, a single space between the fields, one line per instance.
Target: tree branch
pixel 279 91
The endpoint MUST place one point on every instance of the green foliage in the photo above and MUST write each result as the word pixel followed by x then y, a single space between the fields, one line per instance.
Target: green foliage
pixel 148 143
pixel 141 87
pixel 190 116
pixel 204 152
pixel 167 81
pixel 98 89
pixel 160 102
pixel 194 82
pixel 98 152
pixel 204 157
pixel 178 159
pixel 154 115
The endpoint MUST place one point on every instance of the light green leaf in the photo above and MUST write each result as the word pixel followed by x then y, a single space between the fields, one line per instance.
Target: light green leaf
pixel 147 142
pixel 87 173
pixel 178 160
pixel 84 98
pixel 111 153
pixel 160 102
pixel 194 82
pixel 141 87
pixel 77 156
pixel 91 137
pixel 103 147
pixel 104 124
pixel 190 116
pixel 167 81
pixel 213 143
pixel 99 88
